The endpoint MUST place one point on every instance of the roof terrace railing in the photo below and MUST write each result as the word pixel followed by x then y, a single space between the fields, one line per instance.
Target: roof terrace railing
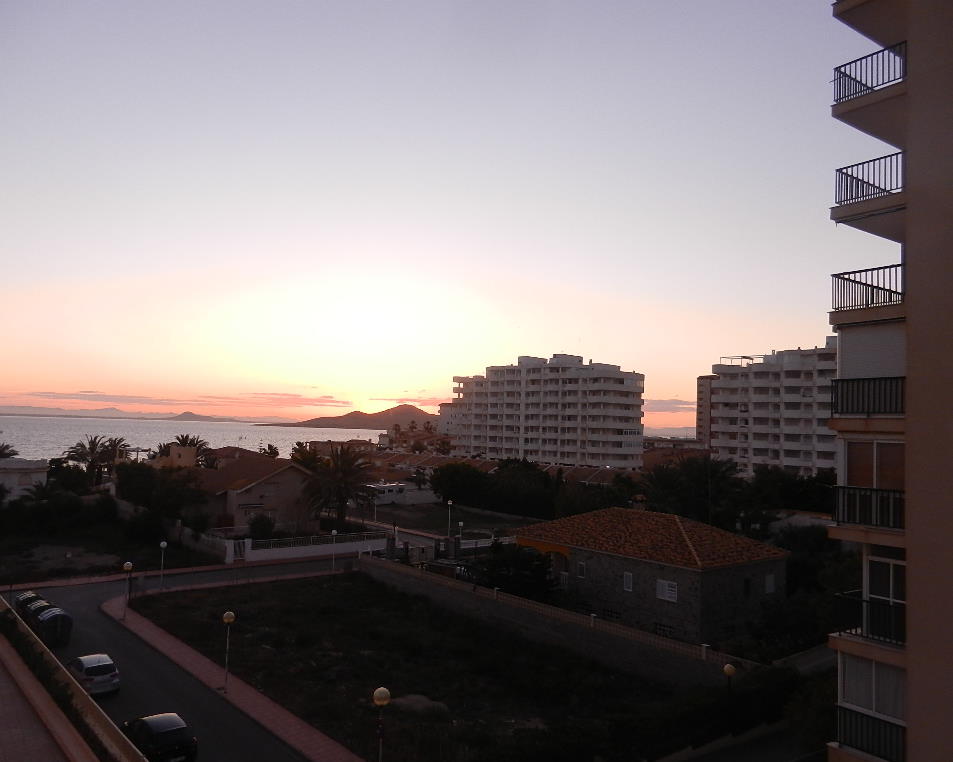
pixel 874 287
pixel 869 179
pixel 868 396
pixel 870 73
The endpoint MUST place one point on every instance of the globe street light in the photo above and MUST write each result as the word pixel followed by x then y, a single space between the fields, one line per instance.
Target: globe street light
pixel 729 670
pixel 162 546
pixel 127 567
pixel 334 536
pixel 228 618
pixel 381 699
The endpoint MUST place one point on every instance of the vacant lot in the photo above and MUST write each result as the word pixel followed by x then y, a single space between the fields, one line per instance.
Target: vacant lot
pixel 463 691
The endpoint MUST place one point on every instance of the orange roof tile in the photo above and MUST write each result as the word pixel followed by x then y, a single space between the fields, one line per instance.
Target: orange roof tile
pixel 242 473
pixel 663 538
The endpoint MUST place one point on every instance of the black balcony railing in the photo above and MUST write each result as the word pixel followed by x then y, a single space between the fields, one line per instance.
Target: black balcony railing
pixel 869 179
pixel 867 396
pixel 864 732
pixel 870 507
pixel 870 73
pixel 871 618
pixel 875 287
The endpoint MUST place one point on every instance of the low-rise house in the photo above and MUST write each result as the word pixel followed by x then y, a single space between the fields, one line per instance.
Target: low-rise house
pixel 661 572
pixel 19 474
pixel 247 487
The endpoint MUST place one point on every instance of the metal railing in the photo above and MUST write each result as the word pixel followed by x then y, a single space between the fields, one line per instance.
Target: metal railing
pixel 870 73
pixel 869 179
pixel 873 619
pixel 864 732
pixel 874 287
pixel 870 507
pixel 867 396
pixel 322 539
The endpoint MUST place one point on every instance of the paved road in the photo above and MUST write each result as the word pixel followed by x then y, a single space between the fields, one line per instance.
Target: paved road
pixel 151 683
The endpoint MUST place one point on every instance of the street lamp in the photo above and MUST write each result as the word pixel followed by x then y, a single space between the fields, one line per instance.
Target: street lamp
pixel 334 537
pixel 127 567
pixel 162 546
pixel 449 506
pixel 381 699
pixel 729 670
pixel 460 525
pixel 228 618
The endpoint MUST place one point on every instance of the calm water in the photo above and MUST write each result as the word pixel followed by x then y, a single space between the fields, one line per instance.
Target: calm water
pixel 41 437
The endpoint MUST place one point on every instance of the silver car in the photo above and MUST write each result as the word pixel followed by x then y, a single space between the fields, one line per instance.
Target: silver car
pixel 95 672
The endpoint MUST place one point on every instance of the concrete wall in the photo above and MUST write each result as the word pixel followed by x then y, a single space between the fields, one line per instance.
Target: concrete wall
pixel 280 496
pixel 679 665
pixel 728 603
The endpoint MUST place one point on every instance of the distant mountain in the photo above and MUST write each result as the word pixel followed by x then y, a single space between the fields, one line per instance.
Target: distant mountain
pixel 402 414
pixel 113 412
pixel 190 416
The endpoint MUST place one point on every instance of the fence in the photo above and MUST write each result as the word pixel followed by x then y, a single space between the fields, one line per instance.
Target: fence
pixel 869 73
pixel 869 179
pixel 653 656
pixel 868 396
pixel 875 287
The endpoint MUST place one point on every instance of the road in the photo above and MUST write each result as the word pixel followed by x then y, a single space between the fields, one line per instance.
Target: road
pixel 151 683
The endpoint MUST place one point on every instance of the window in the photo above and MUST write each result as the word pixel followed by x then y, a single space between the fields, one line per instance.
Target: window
pixel 768 584
pixel 564 580
pixel 666 590
pixel 581 570
pixel 627 581
pixel 665 630
pixel 873 686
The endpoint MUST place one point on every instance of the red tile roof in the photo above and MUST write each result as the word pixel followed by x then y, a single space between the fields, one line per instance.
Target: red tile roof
pixel 242 473
pixel 663 538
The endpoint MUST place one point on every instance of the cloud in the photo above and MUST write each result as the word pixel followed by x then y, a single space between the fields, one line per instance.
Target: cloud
pixel 280 399
pixel 424 401
pixel 89 396
pixel 668 406
pixel 255 399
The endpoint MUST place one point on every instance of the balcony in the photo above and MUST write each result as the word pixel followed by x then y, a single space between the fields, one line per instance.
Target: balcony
pixel 859 289
pixel 873 619
pixel 869 94
pixel 873 735
pixel 883 21
pixel 870 196
pixel 867 396
pixel 866 506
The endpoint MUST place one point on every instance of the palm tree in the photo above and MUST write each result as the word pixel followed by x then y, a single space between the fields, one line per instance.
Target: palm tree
pixel 7 450
pixel 269 449
pixel 341 477
pixel 305 457
pixel 202 455
pixel 92 454
pixel 412 426
pixel 161 449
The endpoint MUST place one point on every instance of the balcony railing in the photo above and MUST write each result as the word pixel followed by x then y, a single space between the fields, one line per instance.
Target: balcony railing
pixel 864 732
pixel 870 73
pixel 875 287
pixel 872 619
pixel 883 508
pixel 869 179
pixel 867 396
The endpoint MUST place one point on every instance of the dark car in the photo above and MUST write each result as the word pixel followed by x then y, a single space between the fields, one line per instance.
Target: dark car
pixel 163 738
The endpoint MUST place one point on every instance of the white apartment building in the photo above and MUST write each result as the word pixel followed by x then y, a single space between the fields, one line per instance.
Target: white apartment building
pixel 562 411
pixel 772 409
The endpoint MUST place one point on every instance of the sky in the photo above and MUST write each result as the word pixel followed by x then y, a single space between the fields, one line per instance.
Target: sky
pixel 302 208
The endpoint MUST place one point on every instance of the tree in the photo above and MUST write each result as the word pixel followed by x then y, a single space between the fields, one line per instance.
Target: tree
pixel 459 482
pixel 269 449
pixel 161 449
pixel 517 570
pixel 443 446
pixel 412 427
pixel 92 453
pixel 342 477
pixel 203 455
pixel 418 446
pixel 261 526
pixel 305 457
pixel 7 450
pixel 428 427
pixel 700 488
pixel 420 478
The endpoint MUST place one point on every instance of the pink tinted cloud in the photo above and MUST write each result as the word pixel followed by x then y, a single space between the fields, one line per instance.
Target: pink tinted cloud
pixel 424 401
pixel 279 399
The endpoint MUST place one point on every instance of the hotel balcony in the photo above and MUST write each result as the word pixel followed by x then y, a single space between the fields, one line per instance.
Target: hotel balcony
pixel 867 295
pixel 868 515
pixel 872 619
pixel 883 21
pixel 868 396
pixel 875 736
pixel 870 94
pixel 870 196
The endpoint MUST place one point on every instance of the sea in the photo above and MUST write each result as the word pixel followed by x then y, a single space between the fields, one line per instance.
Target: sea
pixel 36 437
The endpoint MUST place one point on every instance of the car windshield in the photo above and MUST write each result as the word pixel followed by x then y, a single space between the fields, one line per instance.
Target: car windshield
pixel 174 737
pixel 100 669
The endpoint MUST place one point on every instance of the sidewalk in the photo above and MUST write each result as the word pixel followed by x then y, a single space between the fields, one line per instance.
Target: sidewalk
pixel 32 727
pixel 298 734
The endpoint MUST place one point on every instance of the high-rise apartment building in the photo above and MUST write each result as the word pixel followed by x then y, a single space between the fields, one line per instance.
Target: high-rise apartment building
pixel 890 402
pixel 560 410
pixel 771 410
pixel 703 411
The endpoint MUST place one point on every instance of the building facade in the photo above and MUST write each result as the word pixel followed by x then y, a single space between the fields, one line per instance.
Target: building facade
pixel 772 410
pixel 893 421
pixel 561 411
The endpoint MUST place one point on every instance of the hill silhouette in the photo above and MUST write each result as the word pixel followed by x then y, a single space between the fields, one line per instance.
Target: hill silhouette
pixel 402 414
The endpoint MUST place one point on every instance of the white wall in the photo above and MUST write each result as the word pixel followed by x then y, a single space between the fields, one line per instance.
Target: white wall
pixel 872 351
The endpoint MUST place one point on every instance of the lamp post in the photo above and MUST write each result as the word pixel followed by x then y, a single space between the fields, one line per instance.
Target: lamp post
pixel 729 670
pixel 127 567
pixel 460 525
pixel 334 537
pixel 381 699
pixel 162 546
pixel 449 506
pixel 227 618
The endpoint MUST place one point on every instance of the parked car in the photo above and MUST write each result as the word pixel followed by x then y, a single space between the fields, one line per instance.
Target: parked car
pixel 163 738
pixel 53 625
pixel 22 600
pixel 95 672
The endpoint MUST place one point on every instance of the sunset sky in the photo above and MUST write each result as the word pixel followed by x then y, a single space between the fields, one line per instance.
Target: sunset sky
pixel 302 208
